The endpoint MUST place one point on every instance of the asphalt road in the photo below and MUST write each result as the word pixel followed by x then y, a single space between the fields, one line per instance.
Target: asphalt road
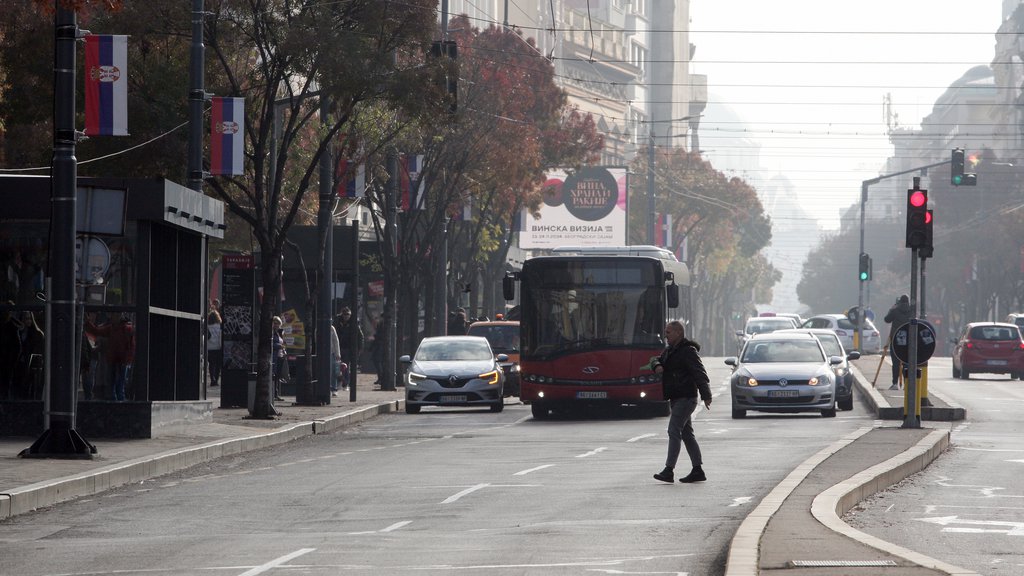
pixel 967 508
pixel 442 492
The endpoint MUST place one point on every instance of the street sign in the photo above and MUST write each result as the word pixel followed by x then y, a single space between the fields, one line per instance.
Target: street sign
pixel 925 342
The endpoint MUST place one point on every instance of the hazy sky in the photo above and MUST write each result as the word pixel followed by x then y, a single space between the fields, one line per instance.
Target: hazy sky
pixel 808 78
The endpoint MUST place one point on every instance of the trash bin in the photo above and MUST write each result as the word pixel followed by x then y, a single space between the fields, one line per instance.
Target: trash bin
pixel 251 392
pixel 233 388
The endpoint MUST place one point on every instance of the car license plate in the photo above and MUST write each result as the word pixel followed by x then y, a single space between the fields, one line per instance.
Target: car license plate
pixel 783 393
pixel 997 362
pixel 453 398
pixel 591 395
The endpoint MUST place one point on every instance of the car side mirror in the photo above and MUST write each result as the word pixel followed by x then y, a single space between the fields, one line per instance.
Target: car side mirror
pixel 501 357
pixel 853 355
pixel 833 360
pixel 405 359
pixel 731 361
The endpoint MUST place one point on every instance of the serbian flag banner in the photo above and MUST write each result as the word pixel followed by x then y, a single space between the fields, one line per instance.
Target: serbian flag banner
pixel 411 182
pixel 226 135
pixel 106 85
pixel 352 179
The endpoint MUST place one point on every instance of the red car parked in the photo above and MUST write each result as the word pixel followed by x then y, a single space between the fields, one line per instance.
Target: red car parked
pixel 992 347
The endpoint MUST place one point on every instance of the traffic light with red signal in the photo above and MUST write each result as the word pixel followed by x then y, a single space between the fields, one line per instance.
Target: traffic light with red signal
pixel 927 250
pixel 917 218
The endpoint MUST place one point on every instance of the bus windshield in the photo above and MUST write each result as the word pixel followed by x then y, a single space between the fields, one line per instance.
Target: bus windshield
pixel 591 304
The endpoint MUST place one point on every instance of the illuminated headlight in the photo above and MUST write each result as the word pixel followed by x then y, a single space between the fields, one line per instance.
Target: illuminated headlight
pixel 491 377
pixel 643 394
pixel 748 381
pixel 415 378
pixel 813 381
pixel 514 368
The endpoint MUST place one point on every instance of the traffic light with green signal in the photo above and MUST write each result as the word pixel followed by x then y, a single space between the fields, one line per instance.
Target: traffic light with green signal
pixel 957 176
pixel 865 267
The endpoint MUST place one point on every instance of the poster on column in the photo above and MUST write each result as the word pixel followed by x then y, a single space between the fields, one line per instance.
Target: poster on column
pixel 237 310
pixel 585 207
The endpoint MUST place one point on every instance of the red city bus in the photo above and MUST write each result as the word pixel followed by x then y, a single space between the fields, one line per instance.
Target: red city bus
pixel 591 320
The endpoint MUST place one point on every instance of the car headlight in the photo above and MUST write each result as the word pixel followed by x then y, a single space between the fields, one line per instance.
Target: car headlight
pixel 491 377
pixel 415 378
pixel 812 381
pixel 515 368
pixel 747 381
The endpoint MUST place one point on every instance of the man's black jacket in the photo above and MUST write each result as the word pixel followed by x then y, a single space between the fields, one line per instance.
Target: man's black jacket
pixel 684 374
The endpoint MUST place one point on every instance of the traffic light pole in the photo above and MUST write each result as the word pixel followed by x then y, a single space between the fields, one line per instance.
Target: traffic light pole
pixel 910 415
pixel 863 204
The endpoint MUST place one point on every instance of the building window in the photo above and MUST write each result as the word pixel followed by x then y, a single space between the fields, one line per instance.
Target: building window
pixel 638 57
pixel 640 7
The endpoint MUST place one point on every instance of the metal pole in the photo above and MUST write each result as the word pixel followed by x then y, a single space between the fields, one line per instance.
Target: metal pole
pixel 389 379
pixel 910 415
pixel 441 285
pixel 324 221
pixel 650 191
pixel 860 290
pixel 196 98
pixel 60 439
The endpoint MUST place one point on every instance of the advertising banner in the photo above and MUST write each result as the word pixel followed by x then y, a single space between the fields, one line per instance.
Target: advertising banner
pixel 586 207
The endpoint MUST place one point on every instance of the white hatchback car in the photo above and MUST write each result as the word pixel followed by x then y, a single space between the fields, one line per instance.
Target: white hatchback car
pixel 871 339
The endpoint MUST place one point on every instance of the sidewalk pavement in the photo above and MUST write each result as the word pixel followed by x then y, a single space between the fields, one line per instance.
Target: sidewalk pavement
pixel 797 528
pixel 30 483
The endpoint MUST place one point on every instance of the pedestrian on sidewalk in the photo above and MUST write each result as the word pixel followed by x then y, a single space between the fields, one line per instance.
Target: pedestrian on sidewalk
pixel 683 377
pixel 900 314
pixel 214 346
pixel 336 364
pixel 350 335
pixel 120 353
pixel 277 355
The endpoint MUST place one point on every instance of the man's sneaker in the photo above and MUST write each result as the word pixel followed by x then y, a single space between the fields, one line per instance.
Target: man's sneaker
pixel 665 475
pixel 696 475
pixel 894 387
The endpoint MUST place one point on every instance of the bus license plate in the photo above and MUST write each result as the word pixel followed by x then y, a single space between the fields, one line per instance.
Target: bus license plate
pixel 997 362
pixel 783 393
pixel 453 398
pixel 591 395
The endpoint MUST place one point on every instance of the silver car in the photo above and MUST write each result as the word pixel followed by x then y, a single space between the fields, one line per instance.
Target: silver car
pixel 844 374
pixel 454 371
pixel 783 372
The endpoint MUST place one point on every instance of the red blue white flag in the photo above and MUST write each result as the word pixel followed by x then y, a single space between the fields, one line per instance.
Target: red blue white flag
pixel 352 179
pixel 227 120
pixel 411 182
pixel 106 85
pixel 663 230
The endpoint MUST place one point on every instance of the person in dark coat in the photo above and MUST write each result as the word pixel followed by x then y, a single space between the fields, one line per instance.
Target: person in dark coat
pixel 683 377
pixel 350 336
pixel 120 352
pixel 458 323
pixel 900 314
pixel 10 352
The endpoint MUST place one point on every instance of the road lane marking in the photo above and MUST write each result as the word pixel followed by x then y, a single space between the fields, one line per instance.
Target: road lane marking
pixel 592 452
pixel 641 437
pixel 276 562
pixel 396 526
pixel 469 490
pixel 528 470
pixel 1011 528
pixel 740 501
